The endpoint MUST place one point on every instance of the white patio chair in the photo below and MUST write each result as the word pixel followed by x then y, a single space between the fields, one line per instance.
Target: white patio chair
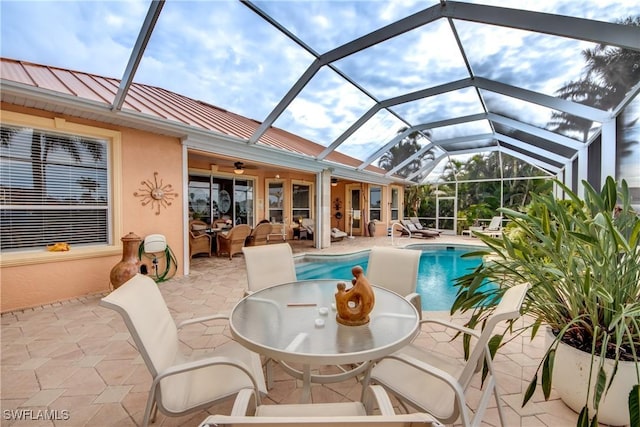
pixel 181 384
pixel 436 383
pixel 268 265
pixel 320 414
pixel 397 270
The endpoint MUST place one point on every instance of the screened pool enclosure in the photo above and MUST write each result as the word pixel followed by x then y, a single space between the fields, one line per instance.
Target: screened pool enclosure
pixel 442 93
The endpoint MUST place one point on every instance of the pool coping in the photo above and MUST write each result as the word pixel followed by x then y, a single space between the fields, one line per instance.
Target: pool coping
pixel 311 256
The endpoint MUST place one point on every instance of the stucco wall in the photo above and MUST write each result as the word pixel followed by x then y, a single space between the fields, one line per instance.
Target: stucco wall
pixel 58 279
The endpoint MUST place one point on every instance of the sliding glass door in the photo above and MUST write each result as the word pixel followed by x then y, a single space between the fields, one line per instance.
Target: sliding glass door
pixel 213 197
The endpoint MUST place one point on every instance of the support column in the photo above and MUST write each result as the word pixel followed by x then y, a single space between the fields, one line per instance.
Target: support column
pixel 608 151
pixel 583 165
pixel 567 179
pixel 323 209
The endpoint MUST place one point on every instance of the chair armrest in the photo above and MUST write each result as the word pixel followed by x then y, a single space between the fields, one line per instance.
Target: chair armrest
pixel 241 404
pixel 199 236
pixel 460 328
pixel 416 300
pixel 376 395
pixel 205 363
pixel 202 320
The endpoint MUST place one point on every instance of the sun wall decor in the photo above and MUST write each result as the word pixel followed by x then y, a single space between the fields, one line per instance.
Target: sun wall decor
pixel 156 193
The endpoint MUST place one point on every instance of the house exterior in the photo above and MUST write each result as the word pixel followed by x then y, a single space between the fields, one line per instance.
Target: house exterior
pixel 76 170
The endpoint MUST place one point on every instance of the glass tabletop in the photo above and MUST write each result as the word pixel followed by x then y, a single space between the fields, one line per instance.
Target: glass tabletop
pixel 288 322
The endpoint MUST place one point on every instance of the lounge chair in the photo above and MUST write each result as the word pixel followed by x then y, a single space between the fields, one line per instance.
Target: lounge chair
pixel 420 227
pixel 494 229
pixel 337 234
pixel 415 232
pixel 309 225
pixel 469 232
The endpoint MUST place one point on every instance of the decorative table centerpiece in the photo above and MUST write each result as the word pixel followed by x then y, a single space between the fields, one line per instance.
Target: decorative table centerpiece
pixel 353 305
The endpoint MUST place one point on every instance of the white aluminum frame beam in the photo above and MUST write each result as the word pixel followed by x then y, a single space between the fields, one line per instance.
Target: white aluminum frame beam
pixel 136 53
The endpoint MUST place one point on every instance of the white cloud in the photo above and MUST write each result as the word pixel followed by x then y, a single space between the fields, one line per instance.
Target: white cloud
pixel 221 52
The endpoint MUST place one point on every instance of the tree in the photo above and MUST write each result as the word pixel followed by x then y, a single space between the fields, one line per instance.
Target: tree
pixel 609 74
pixel 402 151
pixel 414 197
pixel 43 144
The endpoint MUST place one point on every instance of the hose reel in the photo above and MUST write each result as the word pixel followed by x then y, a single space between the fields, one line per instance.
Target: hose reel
pixel 163 261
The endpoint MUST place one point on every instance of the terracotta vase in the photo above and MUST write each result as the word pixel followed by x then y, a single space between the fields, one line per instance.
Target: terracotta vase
pixel 129 266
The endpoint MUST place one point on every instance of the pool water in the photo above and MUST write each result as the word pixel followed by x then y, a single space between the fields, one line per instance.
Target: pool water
pixel 439 267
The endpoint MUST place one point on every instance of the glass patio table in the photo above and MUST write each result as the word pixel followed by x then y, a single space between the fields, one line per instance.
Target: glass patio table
pixel 296 323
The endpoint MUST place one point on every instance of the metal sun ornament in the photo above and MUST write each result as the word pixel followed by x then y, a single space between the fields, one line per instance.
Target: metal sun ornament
pixel 157 194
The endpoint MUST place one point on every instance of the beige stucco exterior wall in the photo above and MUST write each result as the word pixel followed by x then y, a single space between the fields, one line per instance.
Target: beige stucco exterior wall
pixel 50 277
pixel 61 276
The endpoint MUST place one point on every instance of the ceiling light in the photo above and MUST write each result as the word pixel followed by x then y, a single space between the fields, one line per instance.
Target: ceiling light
pixel 239 170
pixel 334 182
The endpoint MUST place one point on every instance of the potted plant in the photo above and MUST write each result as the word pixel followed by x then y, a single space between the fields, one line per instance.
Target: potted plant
pixel 582 259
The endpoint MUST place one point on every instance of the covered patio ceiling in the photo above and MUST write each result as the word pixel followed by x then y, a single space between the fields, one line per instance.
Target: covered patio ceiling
pixel 358 78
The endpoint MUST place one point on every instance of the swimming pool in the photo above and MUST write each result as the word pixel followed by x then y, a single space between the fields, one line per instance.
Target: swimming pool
pixel 439 266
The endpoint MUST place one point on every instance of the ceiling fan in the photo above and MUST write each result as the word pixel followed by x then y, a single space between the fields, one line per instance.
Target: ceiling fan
pixel 238 168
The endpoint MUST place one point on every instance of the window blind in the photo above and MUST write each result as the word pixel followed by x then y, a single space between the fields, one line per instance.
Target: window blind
pixel 53 188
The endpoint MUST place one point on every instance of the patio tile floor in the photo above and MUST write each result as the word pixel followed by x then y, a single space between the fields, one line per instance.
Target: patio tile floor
pixel 76 361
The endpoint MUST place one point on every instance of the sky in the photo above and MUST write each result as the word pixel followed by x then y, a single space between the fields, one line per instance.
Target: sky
pixel 221 52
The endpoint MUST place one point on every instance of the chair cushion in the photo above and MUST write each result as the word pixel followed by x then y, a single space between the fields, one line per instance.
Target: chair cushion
pixel 336 233
pixel 194 388
pixel 198 229
pixel 428 391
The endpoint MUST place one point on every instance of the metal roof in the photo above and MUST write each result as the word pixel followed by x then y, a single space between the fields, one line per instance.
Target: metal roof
pixel 486 78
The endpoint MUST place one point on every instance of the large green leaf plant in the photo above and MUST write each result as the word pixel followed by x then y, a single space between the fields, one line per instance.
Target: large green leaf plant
pixel 582 260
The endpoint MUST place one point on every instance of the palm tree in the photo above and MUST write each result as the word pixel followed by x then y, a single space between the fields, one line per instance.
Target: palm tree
pixel 42 145
pixel 608 76
pixel 414 196
pixel 403 150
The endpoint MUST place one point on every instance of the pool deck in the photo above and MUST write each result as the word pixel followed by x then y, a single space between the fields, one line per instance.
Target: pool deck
pixel 78 357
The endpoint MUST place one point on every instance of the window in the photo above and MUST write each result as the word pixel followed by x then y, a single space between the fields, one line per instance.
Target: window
pixel 214 197
pixel 54 187
pixel 243 197
pixel 276 202
pixel 200 198
pixel 375 203
pixel 394 204
pixel 301 201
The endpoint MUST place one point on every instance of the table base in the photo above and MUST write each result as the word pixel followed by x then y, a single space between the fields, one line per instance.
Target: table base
pixel 307 377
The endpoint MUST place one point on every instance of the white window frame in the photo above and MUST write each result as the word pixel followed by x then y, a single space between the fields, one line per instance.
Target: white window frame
pixel 311 199
pixel 267 208
pixel 396 209
pixel 379 209
pixel 114 173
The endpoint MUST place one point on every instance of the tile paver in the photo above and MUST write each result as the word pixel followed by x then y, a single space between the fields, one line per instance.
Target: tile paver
pixel 78 357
